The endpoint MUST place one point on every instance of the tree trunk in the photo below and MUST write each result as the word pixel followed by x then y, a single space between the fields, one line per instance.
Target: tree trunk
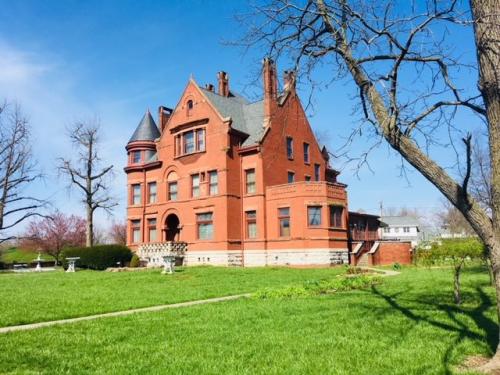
pixel 490 271
pixel 456 285
pixel 486 14
pixel 89 238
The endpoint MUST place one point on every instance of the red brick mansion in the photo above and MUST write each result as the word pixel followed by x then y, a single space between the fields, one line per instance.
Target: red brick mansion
pixel 237 182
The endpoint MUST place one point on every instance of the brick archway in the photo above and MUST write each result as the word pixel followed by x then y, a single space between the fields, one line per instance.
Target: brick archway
pixel 172 227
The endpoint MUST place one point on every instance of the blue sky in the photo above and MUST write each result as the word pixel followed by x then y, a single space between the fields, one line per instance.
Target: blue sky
pixel 68 60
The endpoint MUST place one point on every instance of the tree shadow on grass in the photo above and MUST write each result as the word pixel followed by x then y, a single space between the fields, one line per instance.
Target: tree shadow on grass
pixel 477 313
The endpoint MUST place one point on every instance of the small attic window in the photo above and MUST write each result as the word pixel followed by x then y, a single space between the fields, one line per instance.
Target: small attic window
pixel 189 106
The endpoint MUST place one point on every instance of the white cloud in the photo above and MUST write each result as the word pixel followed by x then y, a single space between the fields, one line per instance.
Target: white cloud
pixel 49 93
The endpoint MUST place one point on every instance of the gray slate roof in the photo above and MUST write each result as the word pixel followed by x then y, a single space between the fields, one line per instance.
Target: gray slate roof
pixel 246 117
pixel 394 221
pixel 146 130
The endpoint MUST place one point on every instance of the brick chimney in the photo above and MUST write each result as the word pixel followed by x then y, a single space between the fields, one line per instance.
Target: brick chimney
pixel 209 87
pixel 163 116
pixel 270 88
pixel 289 80
pixel 223 83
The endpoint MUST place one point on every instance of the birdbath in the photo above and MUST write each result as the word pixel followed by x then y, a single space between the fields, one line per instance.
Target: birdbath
pixel 169 264
pixel 38 261
pixel 71 263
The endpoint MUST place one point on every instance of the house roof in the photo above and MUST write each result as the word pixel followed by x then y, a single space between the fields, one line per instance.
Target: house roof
pixel 409 221
pixel 246 117
pixel 146 130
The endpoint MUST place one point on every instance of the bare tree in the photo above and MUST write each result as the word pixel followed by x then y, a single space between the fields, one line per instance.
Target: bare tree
pixel 480 181
pixel 451 219
pixel 17 171
pixel 399 57
pixel 86 173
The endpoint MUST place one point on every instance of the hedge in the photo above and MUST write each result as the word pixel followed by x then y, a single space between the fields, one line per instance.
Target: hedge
pixel 99 257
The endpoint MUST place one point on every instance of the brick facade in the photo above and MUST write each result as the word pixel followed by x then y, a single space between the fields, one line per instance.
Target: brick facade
pixel 241 183
pixel 390 252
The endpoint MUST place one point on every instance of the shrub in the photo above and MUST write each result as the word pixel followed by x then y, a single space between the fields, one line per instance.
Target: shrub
pixel 317 287
pixel 99 257
pixel 135 261
pixel 396 266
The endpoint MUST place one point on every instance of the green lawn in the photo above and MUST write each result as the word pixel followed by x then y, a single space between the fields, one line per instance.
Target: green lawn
pixel 20 256
pixel 35 297
pixel 406 325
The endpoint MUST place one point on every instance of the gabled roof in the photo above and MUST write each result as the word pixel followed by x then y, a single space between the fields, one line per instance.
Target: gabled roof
pixel 146 130
pixel 246 117
pixel 400 221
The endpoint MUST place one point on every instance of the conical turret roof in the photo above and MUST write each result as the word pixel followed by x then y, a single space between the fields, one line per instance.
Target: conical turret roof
pixel 146 130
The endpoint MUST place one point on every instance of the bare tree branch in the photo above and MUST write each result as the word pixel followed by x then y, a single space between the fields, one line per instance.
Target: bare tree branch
pixel 86 173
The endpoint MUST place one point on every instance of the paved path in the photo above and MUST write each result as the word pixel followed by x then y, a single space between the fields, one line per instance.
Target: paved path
pixel 26 327
pixel 383 272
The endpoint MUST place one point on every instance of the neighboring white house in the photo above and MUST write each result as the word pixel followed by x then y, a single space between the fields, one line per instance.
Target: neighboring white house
pixel 400 228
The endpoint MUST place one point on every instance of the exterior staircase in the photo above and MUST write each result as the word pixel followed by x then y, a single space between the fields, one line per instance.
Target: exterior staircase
pixel 363 260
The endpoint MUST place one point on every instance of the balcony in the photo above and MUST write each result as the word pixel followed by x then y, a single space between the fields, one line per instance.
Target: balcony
pixel 319 189
pixel 364 235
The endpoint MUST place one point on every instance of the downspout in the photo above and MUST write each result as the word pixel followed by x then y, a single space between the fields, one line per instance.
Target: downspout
pixel 265 208
pixel 144 196
pixel 242 226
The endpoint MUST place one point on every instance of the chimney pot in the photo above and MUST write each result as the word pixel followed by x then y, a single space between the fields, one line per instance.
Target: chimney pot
pixel 209 87
pixel 223 80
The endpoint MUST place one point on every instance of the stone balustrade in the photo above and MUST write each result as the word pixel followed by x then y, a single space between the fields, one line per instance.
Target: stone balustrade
pixel 154 252
pixel 312 189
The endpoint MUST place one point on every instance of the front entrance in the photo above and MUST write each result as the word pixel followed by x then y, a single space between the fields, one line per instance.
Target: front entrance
pixel 172 228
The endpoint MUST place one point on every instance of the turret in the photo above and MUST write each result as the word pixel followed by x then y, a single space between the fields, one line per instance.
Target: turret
pixel 141 147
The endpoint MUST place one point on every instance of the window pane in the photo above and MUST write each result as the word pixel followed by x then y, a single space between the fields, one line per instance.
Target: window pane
pixel 188 142
pixel 306 153
pixel 200 139
pixel 291 177
pixel 285 211
pixel 205 226
pixel 152 192
pixel 284 227
pixel 136 194
pixel 213 181
pixel 136 231
pixel 314 215
pixel 252 230
pixel 316 172
pixel 151 156
pixel 172 191
pixel 250 180
pixel 336 213
pixel 136 157
pixel 251 224
pixel 152 234
pixel 195 191
pixel 289 147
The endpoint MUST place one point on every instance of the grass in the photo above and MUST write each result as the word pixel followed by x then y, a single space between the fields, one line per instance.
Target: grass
pixel 406 325
pixel 33 297
pixel 16 255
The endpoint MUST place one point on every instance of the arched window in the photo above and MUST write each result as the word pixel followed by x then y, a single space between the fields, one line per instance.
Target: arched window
pixel 189 107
